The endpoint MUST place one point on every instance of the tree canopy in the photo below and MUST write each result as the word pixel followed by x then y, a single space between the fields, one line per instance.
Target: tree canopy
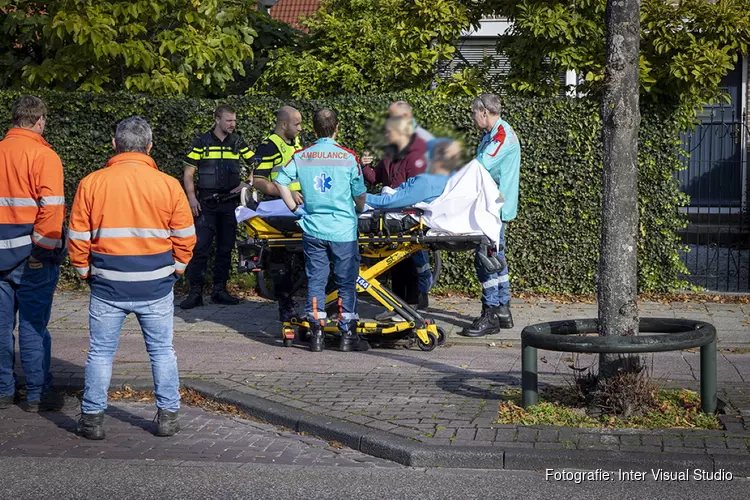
pixel 686 46
pixel 369 46
pixel 153 46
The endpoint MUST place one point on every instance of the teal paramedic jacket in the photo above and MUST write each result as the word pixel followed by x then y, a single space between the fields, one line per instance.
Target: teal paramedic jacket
pixel 500 153
pixel 421 188
pixel 330 177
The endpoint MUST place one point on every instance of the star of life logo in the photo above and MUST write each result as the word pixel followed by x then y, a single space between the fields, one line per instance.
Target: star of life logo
pixel 323 182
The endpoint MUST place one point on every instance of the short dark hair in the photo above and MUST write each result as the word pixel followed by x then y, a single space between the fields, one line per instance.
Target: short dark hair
pixel 325 122
pixel 27 110
pixel 224 108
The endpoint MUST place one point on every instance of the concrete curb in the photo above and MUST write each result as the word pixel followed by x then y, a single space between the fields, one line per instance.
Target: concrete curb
pixel 412 453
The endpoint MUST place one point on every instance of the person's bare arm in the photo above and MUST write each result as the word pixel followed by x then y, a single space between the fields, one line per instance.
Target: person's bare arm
pixel 188 180
pixel 359 202
pixel 286 194
pixel 265 186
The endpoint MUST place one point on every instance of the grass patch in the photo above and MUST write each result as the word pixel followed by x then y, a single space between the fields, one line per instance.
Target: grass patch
pixel 673 409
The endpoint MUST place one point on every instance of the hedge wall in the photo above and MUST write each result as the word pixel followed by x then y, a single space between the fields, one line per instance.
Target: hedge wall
pixel 552 246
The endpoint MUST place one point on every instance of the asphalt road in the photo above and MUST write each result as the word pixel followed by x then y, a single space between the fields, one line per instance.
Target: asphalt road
pixel 33 478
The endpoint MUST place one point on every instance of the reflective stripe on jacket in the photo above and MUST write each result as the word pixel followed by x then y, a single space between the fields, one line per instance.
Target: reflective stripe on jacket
pixel 273 153
pixel 32 198
pixel 131 230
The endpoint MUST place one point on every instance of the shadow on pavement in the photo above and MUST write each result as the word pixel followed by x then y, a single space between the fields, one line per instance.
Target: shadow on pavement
pixel 70 379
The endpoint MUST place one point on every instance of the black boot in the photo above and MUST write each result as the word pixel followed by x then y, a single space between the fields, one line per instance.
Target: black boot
pixel 486 324
pixel 351 341
pixel 317 337
pixel 221 296
pixel 194 298
pixel 167 423
pixel 424 301
pixel 91 425
pixel 504 317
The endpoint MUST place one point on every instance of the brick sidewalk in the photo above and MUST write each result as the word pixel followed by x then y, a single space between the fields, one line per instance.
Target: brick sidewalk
pixel 448 397
pixel 204 437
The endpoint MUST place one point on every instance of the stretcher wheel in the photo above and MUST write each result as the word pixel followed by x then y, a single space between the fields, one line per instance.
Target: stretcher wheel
pixel 442 337
pixel 288 342
pixel 430 345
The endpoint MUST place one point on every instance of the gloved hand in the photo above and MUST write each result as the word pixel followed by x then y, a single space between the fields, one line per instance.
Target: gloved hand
pixel 300 213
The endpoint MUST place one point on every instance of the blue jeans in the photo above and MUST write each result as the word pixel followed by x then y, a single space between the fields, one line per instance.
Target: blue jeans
pixel 495 287
pixel 156 318
pixel 27 292
pixel 319 254
pixel 424 272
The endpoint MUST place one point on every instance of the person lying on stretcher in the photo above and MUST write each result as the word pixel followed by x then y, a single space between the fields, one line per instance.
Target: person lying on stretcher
pixel 443 158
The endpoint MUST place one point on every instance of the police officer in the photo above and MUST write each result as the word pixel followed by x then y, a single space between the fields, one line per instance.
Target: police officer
pixel 499 153
pixel 273 153
pixel 334 190
pixel 216 155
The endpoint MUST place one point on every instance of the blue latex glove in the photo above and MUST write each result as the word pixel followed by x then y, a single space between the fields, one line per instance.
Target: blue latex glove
pixel 300 213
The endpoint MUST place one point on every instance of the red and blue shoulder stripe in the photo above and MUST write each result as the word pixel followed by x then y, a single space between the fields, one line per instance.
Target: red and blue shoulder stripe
pixel 499 137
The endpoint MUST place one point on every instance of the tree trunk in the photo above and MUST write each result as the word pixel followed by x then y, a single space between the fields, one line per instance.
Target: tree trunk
pixel 618 267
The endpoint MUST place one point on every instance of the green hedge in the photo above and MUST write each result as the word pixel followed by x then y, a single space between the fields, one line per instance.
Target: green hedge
pixel 552 246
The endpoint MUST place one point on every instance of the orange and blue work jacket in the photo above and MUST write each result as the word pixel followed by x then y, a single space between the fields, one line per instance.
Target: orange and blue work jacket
pixel 32 200
pixel 131 230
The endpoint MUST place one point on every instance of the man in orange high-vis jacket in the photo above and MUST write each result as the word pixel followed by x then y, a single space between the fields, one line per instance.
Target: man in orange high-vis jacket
pixel 131 236
pixel 32 212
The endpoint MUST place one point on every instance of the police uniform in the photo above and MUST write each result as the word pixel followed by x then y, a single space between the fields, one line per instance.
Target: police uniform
pixel 329 176
pixel 219 171
pixel 272 154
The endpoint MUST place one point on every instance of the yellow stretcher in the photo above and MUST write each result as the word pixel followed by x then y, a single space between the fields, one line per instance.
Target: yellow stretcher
pixel 384 241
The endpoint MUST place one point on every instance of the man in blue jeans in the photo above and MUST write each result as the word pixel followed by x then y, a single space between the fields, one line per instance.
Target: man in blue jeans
pixel 32 211
pixel 334 191
pixel 131 237
pixel 499 153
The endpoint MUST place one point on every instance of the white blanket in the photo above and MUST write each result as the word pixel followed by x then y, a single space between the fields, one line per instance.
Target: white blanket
pixel 470 204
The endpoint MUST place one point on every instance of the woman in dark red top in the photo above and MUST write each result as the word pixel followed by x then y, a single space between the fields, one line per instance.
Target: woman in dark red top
pixel 405 157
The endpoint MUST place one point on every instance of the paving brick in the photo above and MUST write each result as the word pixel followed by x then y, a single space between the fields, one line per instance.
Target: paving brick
pixel 648 440
pixel 673 441
pixel 694 442
pixel 597 446
pixel 506 444
pixel 506 435
pixel 694 451
pixel 526 435
pixel 548 436
pixel 737 443
pixel 713 443
pixel 586 437
pixel 473 442
pixel 630 440
pixel 728 451
pixel 486 434
pixel 645 449
pixel 466 434
pixel 550 446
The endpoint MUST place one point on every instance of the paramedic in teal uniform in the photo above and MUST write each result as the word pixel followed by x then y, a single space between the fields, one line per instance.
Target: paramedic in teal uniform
pixel 333 188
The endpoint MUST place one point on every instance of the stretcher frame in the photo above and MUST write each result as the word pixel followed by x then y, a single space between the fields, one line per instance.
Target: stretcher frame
pixel 388 249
